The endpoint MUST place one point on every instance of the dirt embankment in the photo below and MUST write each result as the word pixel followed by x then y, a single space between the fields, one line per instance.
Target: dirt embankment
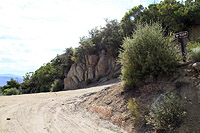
pixel 111 103
pixel 52 112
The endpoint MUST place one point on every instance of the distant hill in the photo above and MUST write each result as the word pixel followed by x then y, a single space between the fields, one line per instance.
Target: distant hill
pixel 6 77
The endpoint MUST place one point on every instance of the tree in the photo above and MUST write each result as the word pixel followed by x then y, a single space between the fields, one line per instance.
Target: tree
pixel 130 19
pixel 192 14
pixel 42 78
pixel 63 62
pixel 45 76
pixel 170 14
pixel 27 85
pixel 13 83
pixel 111 37
pixel 108 38
pixel 173 15
pixel 57 85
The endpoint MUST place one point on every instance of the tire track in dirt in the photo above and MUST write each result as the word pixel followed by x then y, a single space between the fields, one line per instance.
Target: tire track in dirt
pixel 52 113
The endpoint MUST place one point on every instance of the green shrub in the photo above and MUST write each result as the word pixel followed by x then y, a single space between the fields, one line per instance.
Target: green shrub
pixel 87 47
pixel 11 91
pixel 193 51
pixel 191 45
pixel 195 54
pixel 167 114
pixel 57 86
pixel 137 110
pixel 148 54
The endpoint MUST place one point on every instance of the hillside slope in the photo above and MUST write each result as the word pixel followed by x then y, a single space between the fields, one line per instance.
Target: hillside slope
pixel 111 103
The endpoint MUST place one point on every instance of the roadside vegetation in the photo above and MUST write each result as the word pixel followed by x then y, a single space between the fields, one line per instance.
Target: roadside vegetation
pixel 168 114
pixel 12 88
pixel 147 54
pixel 143 41
pixel 194 51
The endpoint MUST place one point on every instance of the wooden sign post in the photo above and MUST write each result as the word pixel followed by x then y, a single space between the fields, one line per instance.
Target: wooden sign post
pixel 180 37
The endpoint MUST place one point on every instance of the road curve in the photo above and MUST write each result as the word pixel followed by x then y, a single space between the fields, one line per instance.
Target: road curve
pixel 52 113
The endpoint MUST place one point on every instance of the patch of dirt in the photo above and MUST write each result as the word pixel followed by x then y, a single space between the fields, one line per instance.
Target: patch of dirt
pixel 110 105
pixel 55 112
pixel 189 90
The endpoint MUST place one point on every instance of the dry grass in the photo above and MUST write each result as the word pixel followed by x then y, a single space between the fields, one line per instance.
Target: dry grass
pixel 119 119
pixel 103 111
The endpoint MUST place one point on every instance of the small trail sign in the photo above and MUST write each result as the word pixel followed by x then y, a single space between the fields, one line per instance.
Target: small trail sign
pixel 180 37
pixel 182 34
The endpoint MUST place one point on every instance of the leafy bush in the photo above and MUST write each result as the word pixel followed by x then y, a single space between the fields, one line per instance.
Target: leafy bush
pixel 87 47
pixel 11 91
pixel 137 110
pixel 26 86
pixel 195 54
pixel 148 54
pixel 11 84
pixel 168 114
pixel 191 45
pixel 57 86
pixel 111 37
pixel 194 51
pixel 67 61
pixel 45 76
pixel 108 38
pixel 192 16
pixel 42 79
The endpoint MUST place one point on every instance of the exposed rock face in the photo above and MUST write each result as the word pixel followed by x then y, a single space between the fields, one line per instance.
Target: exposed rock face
pixel 91 67
pixel 102 66
pixel 70 84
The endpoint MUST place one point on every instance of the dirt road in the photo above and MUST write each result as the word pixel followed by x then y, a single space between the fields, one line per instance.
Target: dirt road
pixel 52 112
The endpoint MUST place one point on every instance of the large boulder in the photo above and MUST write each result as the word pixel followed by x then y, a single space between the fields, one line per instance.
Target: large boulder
pixel 72 71
pixel 80 72
pixel 70 84
pixel 91 73
pixel 91 67
pixel 92 60
pixel 77 70
pixel 102 67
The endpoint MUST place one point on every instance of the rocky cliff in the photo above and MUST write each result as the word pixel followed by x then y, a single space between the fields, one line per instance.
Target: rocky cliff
pixel 91 67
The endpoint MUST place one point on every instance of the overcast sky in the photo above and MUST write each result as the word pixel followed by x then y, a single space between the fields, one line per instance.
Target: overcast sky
pixel 32 32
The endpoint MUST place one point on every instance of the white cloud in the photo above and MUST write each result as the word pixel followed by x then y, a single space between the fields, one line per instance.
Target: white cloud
pixel 37 29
